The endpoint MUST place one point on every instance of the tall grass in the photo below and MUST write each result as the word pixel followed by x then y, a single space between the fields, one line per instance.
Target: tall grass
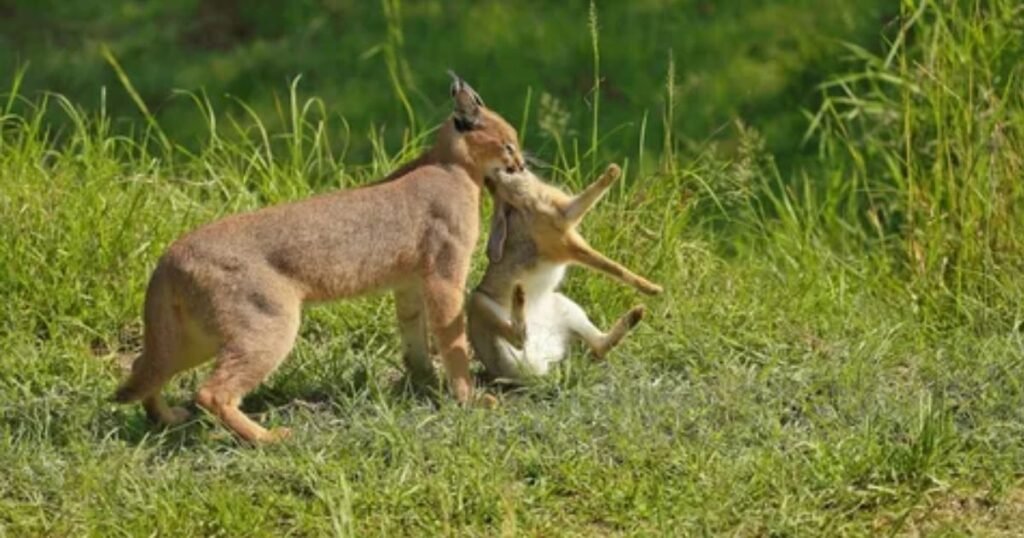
pixel 833 355
pixel 929 138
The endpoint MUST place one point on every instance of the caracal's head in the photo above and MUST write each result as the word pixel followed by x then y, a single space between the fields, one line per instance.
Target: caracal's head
pixel 478 137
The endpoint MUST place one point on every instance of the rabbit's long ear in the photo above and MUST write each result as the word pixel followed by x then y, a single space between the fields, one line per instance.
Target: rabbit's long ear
pixel 584 254
pixel 499 230
pixel 585 200
pixel 466 104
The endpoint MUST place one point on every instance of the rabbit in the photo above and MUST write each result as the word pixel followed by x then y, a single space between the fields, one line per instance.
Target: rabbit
pixel 518 324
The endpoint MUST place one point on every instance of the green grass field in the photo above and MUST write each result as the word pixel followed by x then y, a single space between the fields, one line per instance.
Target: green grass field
pixel 831 200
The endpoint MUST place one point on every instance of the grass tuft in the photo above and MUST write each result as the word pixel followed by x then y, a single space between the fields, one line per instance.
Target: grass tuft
pixel 838 351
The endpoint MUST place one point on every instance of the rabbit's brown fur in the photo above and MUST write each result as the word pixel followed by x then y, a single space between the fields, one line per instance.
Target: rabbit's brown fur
pixel 518 324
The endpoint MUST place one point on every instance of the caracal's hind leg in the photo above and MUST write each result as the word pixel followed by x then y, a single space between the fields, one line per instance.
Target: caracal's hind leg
pixel 147 378
pixel 196 346
pixel 600 343
pixel 257 337
pixel 412 326
pixel 171 343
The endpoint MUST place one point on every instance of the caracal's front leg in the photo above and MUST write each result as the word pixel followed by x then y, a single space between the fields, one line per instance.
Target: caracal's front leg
pixel 443 300
pixel 412 326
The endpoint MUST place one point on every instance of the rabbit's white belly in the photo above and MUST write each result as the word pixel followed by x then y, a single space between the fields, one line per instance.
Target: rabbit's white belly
pixel 548 339
pixel 548 335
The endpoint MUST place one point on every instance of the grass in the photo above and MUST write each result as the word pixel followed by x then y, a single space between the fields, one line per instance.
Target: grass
pixel 381 62
pixel 838 351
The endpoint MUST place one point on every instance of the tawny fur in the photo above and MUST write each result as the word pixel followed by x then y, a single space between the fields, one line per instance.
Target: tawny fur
pixel 518 324
pixel 234 289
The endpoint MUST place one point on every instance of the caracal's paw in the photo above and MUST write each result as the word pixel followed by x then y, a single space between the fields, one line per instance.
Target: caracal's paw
pixel 274 435
pixel 486 400
pixel 462 390
pixel 175 416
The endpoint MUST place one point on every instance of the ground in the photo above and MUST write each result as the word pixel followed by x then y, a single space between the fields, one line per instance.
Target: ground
pixel 838 351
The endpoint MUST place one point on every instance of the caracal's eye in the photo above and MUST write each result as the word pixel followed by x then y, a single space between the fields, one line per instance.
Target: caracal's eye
pixel 510 149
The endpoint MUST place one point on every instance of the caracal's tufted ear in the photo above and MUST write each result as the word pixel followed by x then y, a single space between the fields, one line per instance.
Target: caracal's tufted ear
pixel 466 104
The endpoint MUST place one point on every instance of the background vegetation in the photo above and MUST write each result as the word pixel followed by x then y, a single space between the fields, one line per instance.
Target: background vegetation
pixel 829 192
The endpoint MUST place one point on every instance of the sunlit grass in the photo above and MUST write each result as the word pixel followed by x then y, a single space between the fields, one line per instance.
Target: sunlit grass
pixel 838 351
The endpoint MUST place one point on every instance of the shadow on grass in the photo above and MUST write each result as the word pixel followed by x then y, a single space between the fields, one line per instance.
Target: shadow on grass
pixel 287 397
pixel 572 373
pixel 284 400
pixel 138 430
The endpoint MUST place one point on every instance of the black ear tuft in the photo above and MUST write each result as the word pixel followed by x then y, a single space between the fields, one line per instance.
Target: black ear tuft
pixel 462 125
pixel 467 103
pixel 456 85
